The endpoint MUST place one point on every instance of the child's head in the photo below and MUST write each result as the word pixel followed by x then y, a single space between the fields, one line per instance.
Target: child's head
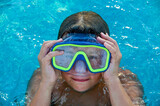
pixel 82 22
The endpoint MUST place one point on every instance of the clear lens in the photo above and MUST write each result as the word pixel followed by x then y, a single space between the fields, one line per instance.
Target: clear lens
pixel 96 56
pixel 65 59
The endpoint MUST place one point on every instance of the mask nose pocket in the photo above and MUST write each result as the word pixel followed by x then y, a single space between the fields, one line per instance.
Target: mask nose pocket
pixel 80 67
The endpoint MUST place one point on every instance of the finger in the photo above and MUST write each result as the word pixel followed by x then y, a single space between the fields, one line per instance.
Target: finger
pixel 109 38
pixel 101 40
pixel 111 49
pixel 48 57
pixel 111 44
pixel 51 43
pixel 46 47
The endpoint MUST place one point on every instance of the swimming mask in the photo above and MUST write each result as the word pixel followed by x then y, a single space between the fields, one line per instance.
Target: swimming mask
pixel 83 51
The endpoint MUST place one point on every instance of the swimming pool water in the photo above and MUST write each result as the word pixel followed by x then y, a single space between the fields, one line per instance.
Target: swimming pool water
pixel 25 24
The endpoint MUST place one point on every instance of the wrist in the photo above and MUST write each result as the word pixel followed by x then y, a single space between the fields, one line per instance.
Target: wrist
pixel 111 73
pixel 112 80
pixel 47 85
pixel 110 76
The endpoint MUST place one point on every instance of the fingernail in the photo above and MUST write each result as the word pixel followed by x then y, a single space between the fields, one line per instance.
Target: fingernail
pixel 107 34
pixel 59 38
pixel 102 33
pixel 61 52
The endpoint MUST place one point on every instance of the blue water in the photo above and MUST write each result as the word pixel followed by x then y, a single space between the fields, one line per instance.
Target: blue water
pixel 25 24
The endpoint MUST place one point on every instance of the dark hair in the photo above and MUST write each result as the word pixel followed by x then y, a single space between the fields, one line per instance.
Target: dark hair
pixel 83 22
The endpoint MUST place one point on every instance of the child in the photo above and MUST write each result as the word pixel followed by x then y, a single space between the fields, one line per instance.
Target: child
pixel 112 87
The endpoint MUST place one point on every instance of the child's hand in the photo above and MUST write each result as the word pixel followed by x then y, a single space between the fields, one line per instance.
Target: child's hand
pixel 116 56
pixel 49 76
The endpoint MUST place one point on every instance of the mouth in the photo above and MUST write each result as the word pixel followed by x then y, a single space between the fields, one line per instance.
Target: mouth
pixel 79 74
pixel 80 80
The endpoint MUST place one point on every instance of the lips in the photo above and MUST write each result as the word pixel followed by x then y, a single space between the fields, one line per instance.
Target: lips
pixel 80 80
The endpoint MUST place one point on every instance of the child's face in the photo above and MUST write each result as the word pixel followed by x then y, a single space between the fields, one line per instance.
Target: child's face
pixel 81 83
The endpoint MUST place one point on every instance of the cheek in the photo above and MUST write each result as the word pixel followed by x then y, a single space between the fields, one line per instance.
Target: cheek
pixel 66 76
pixel 81 86
pixel 96 77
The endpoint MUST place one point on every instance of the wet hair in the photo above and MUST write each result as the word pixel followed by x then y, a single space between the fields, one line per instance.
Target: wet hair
pixel 83 22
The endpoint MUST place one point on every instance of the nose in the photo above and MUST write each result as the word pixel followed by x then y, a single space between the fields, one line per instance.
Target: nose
pixel 80 66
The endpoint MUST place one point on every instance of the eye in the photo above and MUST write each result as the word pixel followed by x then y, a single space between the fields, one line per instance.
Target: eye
pixel 93 57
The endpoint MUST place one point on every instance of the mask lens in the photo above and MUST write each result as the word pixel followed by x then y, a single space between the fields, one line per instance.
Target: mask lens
pixel 96 56
pixel 65 59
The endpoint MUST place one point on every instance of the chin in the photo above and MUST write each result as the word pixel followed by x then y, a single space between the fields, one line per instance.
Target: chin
pixel 80 90
pixel 80 87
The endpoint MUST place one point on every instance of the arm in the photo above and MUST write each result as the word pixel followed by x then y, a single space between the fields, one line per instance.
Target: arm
pixel 38 92
pixel 132 86
pixel 44 89
pixel 33 86
pixel 118 95
pixel 43 95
